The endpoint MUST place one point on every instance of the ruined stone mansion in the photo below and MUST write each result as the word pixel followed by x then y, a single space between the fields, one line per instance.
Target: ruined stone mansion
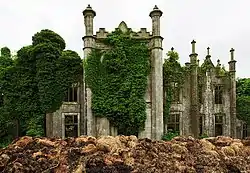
pixel 206 104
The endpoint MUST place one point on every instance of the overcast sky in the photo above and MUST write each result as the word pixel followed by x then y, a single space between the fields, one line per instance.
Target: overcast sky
pixel 219 24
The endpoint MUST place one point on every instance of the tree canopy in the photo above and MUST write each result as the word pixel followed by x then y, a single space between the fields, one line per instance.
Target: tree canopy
pixel 36 81
pixel 243 99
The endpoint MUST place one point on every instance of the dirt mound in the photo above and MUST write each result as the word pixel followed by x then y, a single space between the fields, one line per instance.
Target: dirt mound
pixel 124 154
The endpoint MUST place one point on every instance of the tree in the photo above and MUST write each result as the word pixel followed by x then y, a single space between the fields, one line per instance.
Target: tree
pixel 37 82
pixel 243 99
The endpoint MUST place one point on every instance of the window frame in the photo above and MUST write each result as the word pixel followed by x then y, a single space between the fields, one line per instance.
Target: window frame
pixel 64 125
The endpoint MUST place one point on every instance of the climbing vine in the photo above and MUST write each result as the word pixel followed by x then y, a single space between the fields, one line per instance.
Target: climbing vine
pixel 173 79
pixel 118 79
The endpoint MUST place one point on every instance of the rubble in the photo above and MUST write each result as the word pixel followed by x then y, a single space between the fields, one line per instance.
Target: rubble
pixel 125 154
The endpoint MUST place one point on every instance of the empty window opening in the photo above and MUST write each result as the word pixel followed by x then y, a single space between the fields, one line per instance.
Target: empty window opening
pixel 218 125
pixel 71 94
pixel 244 130
pixel 201 125
pixel 71 126
pixel 173 122
pixel 218 94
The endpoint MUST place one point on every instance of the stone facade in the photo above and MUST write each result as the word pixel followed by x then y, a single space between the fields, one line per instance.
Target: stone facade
pixel 75 116
pixel 206 103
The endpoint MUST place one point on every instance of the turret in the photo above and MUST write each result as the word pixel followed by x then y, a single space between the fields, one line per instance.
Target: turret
pixel 232 72
pixel 155 16
pixel 193 55
pixel 89 15
pixel 194 111
pixel 232 62
pixel 156 75
pixel 89 43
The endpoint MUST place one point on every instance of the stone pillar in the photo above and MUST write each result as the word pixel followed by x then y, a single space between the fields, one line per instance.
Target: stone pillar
pixel 194 109
pixel 156 76
pixel 208 106
pixel 89 43
pixel 232 72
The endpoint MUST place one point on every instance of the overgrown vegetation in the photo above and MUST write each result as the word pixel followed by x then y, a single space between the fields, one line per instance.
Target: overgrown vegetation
pixel 35 83
pixel 243 99
pixel 118 80
pixel 173 79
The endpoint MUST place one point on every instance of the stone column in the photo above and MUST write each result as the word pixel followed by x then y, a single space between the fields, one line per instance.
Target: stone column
pixel 194 109
pixel 156 76
pixel 89 43
pixel 232 72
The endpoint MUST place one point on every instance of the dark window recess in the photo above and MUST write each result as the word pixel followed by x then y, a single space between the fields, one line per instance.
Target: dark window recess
pixel 173 122
pixel 218 94
pixel 200 94
pixel 71 94
pixel 176 93
pixel 244 130
pixel 201 125
pixel 71 126
pixel 218 125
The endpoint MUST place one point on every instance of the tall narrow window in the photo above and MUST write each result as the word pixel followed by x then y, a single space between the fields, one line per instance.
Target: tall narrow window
pixel 71 125
pixel 71 94
pixel 176 93
pixel 218 125
pixel 244 130
pixel 200 93
pixel 201 124
pixel 218 94
pixel 174 122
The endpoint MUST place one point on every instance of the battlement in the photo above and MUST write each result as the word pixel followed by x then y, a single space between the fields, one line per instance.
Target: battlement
pixel 142 34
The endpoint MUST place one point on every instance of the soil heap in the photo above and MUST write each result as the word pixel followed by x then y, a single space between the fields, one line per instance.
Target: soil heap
pixel 124 154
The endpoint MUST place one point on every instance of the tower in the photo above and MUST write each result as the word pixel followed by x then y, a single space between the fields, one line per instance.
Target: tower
pixel 232 72
pixel 194 109
pixel 156 76
pixel 89 42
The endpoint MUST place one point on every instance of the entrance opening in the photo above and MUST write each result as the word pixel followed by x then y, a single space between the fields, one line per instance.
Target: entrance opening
pixel 71 126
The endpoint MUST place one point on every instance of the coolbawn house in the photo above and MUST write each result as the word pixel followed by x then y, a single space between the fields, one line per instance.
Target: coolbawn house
pixel 205 104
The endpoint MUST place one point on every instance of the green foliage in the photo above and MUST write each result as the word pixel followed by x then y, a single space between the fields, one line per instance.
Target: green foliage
pixel 46 36
pixel 5 52
pixel 243 99
pixel 35 82
pixel 202 136
pixel 118 81
pixel 173 74
pixel 170 135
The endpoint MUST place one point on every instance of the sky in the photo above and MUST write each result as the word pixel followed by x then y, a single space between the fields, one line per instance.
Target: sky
pixel 218 24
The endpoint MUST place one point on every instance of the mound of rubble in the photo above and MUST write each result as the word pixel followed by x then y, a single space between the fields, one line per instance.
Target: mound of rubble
pixel 124 154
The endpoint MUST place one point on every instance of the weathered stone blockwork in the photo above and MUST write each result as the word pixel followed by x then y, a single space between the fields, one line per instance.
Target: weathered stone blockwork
pixel 189 108
pixel 199 97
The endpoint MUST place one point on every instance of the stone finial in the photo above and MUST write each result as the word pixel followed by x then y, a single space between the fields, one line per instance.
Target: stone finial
pixel 172 49
pixel 156 12
pixel 89 11
pixel 123 27
pixel 193 46
pixel 155 8
pixel 218 63
pixel 208 51
pixel 232 54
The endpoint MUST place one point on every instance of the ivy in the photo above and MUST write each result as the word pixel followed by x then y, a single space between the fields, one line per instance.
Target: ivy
pixel 173 74
pixel 118 79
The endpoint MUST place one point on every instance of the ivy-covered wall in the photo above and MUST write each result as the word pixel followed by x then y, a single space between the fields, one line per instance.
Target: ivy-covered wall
pixel 117 78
